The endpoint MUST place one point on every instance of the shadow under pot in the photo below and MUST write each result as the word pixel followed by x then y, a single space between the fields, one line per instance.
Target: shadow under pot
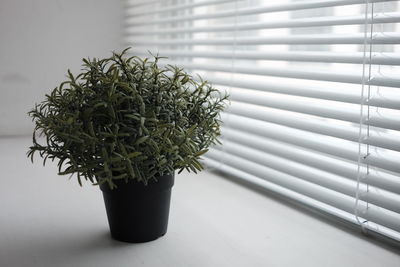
pixel 136 212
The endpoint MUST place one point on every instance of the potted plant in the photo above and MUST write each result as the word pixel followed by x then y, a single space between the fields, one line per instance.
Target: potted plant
pixel 126 124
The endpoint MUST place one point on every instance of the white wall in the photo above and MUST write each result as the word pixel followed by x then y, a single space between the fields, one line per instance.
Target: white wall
pixel 40 40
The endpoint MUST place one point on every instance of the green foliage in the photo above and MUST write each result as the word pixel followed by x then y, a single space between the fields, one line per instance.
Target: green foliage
pixel 127 118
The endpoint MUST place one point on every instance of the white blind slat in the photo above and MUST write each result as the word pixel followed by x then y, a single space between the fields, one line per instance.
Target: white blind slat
pixel 392 17
pixel 337 76
pixel 131 11
pixel 326 57
pixel 253 10
pixel 312 39
pixel 137 3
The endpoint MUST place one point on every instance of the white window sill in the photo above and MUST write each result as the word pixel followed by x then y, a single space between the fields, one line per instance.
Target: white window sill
pixel 47 220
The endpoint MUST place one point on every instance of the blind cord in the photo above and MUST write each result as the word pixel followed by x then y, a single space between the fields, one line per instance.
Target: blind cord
pixel 362 157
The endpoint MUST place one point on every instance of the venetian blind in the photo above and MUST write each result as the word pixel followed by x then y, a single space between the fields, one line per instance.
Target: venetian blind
pixel 315 94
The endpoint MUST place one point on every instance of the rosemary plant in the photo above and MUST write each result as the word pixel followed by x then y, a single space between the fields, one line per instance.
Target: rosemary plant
pixel 127 118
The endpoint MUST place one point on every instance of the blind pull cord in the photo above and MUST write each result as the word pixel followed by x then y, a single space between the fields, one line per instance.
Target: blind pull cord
pixel 365 81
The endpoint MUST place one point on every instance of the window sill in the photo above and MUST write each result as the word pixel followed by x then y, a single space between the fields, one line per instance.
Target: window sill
pixel 49 220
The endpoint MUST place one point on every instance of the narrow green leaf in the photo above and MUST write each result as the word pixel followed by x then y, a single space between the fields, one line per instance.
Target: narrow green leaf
pixel 133 155
pixel 141 140
pixel 201 152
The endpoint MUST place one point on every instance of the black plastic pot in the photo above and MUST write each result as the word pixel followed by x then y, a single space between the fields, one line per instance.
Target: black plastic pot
pixel 137 212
